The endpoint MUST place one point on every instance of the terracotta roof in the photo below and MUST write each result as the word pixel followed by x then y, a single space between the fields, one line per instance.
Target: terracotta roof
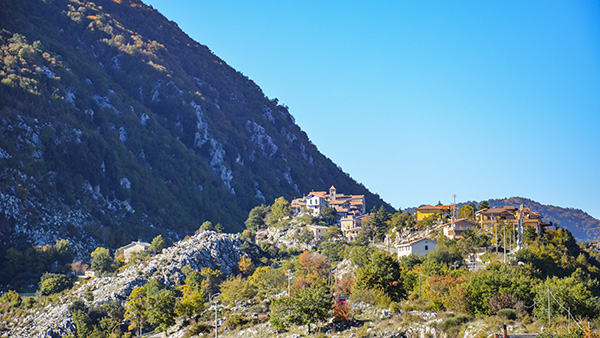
pixel 436 207
pixel 494 211
pixel 321 194
pixel 337 202
pixel 332 188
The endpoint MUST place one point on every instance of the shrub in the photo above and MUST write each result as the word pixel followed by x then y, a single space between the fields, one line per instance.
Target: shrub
pixel 51 283
pixel 11 298
pixel 371 296
pixel 451 326
pixel 235 320
pixel 29 302
pixel 509 314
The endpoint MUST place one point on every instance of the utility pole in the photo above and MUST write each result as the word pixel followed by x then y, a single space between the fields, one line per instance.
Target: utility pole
pixel 453 209
pixel 494 221
pixel 289 275
pixel 504 244
pixel 216 313
pixel 520 229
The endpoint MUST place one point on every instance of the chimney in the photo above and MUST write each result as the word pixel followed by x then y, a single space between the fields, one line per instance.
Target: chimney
pixel 504 334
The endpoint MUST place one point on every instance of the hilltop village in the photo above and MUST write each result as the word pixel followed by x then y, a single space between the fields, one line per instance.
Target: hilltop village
pixel 325 265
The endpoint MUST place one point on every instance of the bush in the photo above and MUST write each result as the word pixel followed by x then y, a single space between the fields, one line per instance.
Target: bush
pixel 374 297
pixel 11 298
pixel 451 326
pixel 29 302
pixel 51 283
pixel 508 314
pixel 235 320
pixel 395 307
pixel 501 301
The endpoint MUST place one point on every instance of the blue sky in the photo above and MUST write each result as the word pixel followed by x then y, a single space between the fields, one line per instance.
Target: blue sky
pixel 423 100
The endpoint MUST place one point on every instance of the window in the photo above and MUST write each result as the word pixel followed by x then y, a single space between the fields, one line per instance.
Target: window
pixel 426 247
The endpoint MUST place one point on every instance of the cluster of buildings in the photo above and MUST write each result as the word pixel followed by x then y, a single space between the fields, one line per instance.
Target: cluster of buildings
pixel 349 210
pixel 487 218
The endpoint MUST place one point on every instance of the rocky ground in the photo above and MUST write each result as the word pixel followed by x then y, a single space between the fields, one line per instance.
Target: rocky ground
pixel 205 249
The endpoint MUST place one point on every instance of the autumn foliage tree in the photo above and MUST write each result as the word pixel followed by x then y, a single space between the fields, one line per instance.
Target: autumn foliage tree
pixel 313 266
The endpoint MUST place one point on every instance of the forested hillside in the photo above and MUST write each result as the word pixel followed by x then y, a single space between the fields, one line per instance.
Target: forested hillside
pixel 116 125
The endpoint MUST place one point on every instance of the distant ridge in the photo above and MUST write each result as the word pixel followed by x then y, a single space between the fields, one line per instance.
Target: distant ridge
pixel 583 226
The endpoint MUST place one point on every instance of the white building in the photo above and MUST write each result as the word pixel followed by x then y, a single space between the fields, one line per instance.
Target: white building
pixel 315 203
pixel 134 247
pixel 419 247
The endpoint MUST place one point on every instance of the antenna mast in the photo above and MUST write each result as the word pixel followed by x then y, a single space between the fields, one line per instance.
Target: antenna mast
pixel 520 229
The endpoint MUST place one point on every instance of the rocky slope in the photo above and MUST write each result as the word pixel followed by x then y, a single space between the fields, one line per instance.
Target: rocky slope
pixel 205 249
pixel 115 124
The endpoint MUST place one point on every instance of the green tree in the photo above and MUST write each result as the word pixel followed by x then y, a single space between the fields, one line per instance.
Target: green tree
pixel 305 236
pixel 102 261
pixel 402 220
pixel 467 211
pixel 206 226
pixel 333 232
pixel 282 311
pixel 328 214
pixel 574 292
pixel 63 251
pixel 499 279
pixel 161 309
pixel 51 283
pixel 136 309
pixel 382 272
pixel 484 205
pixel 191 304
pixel 311 305
pixel 256 217
pixel 361 255
pixel 334 251
pixel 11 298
pixel 380 221
pixel 158 243
pixel 281 208
pixel 237 288
pixel 246 266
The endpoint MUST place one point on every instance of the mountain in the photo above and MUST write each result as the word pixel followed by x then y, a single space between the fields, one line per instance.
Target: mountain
pixel 116 125
pixel 583 226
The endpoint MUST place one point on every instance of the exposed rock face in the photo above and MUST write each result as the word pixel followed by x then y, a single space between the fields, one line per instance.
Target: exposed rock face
pixel 206 249
pixel 114 123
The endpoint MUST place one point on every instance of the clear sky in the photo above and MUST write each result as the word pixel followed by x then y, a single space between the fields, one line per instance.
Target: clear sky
pixel 420 100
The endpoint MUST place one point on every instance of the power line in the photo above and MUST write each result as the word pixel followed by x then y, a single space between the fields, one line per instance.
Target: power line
pixel 568 310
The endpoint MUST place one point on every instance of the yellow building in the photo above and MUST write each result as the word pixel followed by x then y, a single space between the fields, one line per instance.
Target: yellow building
pixel 437 210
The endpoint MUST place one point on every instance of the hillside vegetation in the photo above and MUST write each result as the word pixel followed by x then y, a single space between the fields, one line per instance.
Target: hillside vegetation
pixel 115 125
pixel 278 280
